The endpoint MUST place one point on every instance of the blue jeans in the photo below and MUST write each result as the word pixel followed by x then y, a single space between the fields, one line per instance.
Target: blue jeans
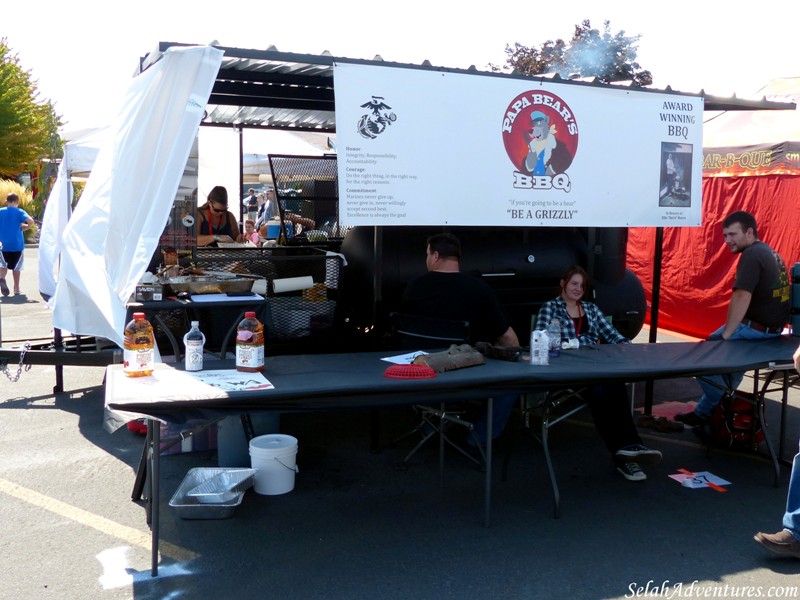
pixel 713 394
pixel 501 411
pixel 791 520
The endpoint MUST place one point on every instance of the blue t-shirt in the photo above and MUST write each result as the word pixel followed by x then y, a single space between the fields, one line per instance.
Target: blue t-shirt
pixel 11 217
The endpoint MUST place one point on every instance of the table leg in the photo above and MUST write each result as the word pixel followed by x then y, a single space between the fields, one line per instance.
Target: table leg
pixel 154 431
pixel 141 472
pixel 488 481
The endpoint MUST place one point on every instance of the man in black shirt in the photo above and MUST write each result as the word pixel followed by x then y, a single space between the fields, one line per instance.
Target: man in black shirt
pixel 445 292
pixel 758 309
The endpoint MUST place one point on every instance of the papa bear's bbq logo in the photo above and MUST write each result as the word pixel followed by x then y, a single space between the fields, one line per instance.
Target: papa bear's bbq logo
pixel 540 135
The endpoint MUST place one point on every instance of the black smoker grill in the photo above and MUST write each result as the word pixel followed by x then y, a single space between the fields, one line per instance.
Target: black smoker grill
pixel 523 265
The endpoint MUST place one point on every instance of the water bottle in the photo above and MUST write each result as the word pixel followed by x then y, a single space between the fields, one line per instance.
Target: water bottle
pixel 138 347
pixel 540 347
pixel 554 333
pixel 250 344
pixel 193 341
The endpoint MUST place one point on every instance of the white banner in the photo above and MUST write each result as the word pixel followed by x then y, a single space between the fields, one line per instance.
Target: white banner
pixel 423 147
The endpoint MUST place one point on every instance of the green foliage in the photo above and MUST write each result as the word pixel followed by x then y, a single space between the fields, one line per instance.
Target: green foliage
pixel 590 53
pixel 28 127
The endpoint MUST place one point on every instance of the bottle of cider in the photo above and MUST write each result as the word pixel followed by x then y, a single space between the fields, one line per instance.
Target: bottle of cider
pixel 250 344
pixel 138 347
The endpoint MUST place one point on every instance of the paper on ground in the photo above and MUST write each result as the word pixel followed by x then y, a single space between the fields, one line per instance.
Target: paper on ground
pixel 698 480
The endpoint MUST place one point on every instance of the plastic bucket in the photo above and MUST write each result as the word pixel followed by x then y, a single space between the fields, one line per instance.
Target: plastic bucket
pixel 274 458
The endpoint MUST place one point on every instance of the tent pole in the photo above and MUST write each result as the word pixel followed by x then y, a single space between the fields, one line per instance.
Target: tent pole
pixel 654 307
pixel 241 180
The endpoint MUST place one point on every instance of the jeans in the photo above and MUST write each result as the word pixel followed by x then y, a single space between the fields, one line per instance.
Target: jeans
pixel 611 412
pixel 791 520
pixel 713 394
pixel 501 411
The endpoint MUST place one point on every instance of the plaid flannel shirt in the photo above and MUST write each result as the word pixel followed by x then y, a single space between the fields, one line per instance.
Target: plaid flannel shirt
pixel 599 327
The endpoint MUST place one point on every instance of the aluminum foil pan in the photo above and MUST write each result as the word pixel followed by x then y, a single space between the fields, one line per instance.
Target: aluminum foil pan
pixel 220 487
pixel 205 284
pixel 190 507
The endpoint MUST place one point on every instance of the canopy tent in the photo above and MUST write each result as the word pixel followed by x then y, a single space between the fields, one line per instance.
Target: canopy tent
pixel 108 242
pixel 259 143
pixel 114 232
pixel 751 162
pixel 79 157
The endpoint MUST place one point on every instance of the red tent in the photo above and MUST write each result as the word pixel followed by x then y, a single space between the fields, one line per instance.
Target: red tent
pixel 751 161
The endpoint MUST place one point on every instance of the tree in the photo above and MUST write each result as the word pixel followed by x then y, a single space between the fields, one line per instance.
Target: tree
pixel 590 53
pixel 28 127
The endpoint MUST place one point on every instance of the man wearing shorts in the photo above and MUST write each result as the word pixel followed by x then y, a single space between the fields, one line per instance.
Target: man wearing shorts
pixel 13 222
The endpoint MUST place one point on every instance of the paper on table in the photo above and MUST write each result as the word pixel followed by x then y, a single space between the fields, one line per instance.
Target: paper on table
pixel 223 298
pixel 404 359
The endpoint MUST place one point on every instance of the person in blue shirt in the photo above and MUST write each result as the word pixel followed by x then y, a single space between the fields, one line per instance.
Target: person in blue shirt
pixel 787 541
pixel 13 222
pixel 608 403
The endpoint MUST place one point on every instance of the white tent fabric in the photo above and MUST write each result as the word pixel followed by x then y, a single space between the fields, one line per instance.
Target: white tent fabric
pixel 79 157
pixel 751 127
pixel 114 231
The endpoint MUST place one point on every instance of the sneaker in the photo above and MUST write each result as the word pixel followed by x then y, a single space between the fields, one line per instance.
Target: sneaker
pixel 4 286
pixel 631 471
pixel 783 543
pixel 639 454
pixel 692 419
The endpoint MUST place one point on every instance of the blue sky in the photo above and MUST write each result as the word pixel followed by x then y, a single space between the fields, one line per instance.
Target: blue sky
pixel 83 53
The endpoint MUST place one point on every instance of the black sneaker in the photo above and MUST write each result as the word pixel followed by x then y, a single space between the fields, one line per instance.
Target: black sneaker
pixel 639 454
pixel 692 419
pixel 631 471
pixel 4 286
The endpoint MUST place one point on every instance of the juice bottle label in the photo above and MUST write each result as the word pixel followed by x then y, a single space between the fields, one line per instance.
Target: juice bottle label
pixel 250 356
pixel 138 361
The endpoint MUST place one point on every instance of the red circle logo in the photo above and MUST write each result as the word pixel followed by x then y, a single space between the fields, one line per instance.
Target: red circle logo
pixel 540 133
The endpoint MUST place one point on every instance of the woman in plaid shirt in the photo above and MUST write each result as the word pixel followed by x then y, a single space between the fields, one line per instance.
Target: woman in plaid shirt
pixel 608 402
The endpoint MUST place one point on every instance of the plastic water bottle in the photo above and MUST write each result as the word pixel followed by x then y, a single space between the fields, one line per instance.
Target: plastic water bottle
pixel 540 347
pixel 554 333
pixel 193 341
pixel 250 344
pixel 138 347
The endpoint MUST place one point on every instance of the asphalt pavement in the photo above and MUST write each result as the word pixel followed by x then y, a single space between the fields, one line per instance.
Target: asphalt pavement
pixel 357 526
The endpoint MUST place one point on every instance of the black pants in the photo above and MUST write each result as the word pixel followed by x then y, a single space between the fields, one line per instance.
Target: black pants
pixel 612 415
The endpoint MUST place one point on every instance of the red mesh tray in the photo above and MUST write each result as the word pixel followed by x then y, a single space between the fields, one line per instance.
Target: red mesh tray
pixel 409 372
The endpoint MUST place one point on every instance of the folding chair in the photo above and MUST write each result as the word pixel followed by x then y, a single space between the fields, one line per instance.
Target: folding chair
pixel 549 408
pixel 413 332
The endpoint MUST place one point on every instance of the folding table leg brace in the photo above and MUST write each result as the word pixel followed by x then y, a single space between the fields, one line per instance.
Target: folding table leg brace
pixel 758 400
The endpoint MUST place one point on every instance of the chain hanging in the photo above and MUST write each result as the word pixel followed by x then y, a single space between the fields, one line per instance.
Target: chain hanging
pixel 14 378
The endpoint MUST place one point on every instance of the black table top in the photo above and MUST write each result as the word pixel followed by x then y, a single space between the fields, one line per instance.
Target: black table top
pixel 356 380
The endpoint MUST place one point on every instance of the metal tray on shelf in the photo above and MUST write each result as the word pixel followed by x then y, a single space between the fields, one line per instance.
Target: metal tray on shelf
pixel 206 284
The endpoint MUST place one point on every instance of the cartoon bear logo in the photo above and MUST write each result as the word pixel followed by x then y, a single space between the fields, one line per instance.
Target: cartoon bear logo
pixel 540 135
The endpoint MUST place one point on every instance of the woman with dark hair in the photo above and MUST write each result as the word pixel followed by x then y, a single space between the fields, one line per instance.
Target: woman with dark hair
pixel 215 222
pixel 609 404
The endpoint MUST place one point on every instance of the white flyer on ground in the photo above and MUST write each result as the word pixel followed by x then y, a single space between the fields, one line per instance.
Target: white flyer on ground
pixel 699 480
